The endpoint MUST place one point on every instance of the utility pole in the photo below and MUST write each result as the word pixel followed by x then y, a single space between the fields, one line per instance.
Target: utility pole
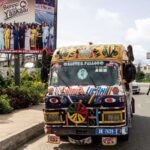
pixel 55 24
pixel 17 68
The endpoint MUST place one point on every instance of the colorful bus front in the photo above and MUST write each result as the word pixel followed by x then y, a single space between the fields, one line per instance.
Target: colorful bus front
pixel 86 99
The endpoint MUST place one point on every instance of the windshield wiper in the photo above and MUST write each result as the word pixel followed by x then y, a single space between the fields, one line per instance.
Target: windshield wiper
pixel 66 84
pixel 92 80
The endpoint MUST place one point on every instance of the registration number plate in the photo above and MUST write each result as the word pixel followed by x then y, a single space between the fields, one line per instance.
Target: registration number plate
pixel 108 131
pixel 53 139
pixel 109 141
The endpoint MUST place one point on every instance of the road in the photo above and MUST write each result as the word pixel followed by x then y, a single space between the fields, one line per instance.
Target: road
pixel 139 134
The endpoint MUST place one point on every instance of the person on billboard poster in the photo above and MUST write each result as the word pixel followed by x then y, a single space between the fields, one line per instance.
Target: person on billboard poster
pixel 39 44
pixel 16 37
pixel 11 38
pixel 27 37
pixel 33 36
pixel 51 38
pixel 1 37
pixel 45 34
pixel 21 36
pixel 7 37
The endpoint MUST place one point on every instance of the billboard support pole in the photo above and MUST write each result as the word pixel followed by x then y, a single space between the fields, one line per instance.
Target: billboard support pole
pixel 17 68
pixel 55 23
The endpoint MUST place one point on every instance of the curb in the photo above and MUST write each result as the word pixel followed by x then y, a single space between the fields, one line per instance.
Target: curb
pixel 12 142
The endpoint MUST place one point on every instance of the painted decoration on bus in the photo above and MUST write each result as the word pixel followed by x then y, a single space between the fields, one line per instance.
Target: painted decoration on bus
pixel 88 90
pixel 87 95
pixel 27 26
pixel 96 52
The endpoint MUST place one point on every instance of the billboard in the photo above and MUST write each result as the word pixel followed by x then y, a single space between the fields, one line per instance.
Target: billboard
pixel 27 26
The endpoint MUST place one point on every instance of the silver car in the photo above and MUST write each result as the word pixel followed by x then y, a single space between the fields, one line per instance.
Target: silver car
pixel 135 87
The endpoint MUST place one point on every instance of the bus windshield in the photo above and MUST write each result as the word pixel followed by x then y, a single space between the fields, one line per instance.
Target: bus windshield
pixel 84 73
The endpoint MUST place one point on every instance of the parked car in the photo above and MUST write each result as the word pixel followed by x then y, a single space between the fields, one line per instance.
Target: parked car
pixel 135 87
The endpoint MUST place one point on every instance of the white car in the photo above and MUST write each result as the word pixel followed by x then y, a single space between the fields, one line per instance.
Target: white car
pixel 135 87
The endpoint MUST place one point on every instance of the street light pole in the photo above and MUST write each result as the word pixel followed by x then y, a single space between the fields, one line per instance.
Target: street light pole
pixel 55 23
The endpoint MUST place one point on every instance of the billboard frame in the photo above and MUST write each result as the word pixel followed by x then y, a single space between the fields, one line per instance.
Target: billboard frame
pixel 37 51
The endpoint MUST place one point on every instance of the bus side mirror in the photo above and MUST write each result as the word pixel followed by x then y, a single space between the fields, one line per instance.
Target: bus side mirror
pixel 129 73
pixel 130 53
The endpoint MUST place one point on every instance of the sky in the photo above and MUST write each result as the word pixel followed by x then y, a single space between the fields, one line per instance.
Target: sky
pixel 105 22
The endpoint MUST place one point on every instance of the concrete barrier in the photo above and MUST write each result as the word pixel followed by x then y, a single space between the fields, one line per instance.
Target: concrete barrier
pixel 14 141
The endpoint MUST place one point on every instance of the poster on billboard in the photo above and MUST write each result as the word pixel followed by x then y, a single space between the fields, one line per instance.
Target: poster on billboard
pixel 27 26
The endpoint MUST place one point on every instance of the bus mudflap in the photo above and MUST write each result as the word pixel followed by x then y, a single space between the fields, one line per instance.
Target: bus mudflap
pixel 109 141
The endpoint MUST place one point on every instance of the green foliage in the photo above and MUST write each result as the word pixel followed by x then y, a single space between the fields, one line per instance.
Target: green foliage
pixel 6 82
pixel 18 97
pixel 2 81
pixel 29 76
pixel 146 78
pixel 30 92
pixel 30 83
pixel 4 104
pixel 139 76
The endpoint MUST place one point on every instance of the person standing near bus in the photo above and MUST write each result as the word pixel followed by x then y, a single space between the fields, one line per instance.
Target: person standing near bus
pixel 1 37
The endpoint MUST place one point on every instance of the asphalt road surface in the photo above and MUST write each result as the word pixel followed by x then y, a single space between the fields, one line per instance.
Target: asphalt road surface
pixel 139 134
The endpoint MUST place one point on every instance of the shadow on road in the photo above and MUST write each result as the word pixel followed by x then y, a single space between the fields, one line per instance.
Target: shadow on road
pixel 138 140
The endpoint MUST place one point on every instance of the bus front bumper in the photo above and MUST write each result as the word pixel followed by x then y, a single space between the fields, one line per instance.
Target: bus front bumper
pixel 87 131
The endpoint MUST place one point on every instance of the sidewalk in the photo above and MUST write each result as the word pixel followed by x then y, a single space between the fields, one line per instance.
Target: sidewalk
pixel 144 83
pixel 20 125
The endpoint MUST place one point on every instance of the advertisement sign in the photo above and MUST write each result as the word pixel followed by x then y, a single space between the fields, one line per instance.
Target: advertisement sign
pixel 27 26
pixel 44 14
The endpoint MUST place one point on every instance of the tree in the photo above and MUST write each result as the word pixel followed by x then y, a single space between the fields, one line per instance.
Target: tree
pixel 139 76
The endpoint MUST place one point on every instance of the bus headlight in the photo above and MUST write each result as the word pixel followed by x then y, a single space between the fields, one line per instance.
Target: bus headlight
pixel 112 117
pixel 53 118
